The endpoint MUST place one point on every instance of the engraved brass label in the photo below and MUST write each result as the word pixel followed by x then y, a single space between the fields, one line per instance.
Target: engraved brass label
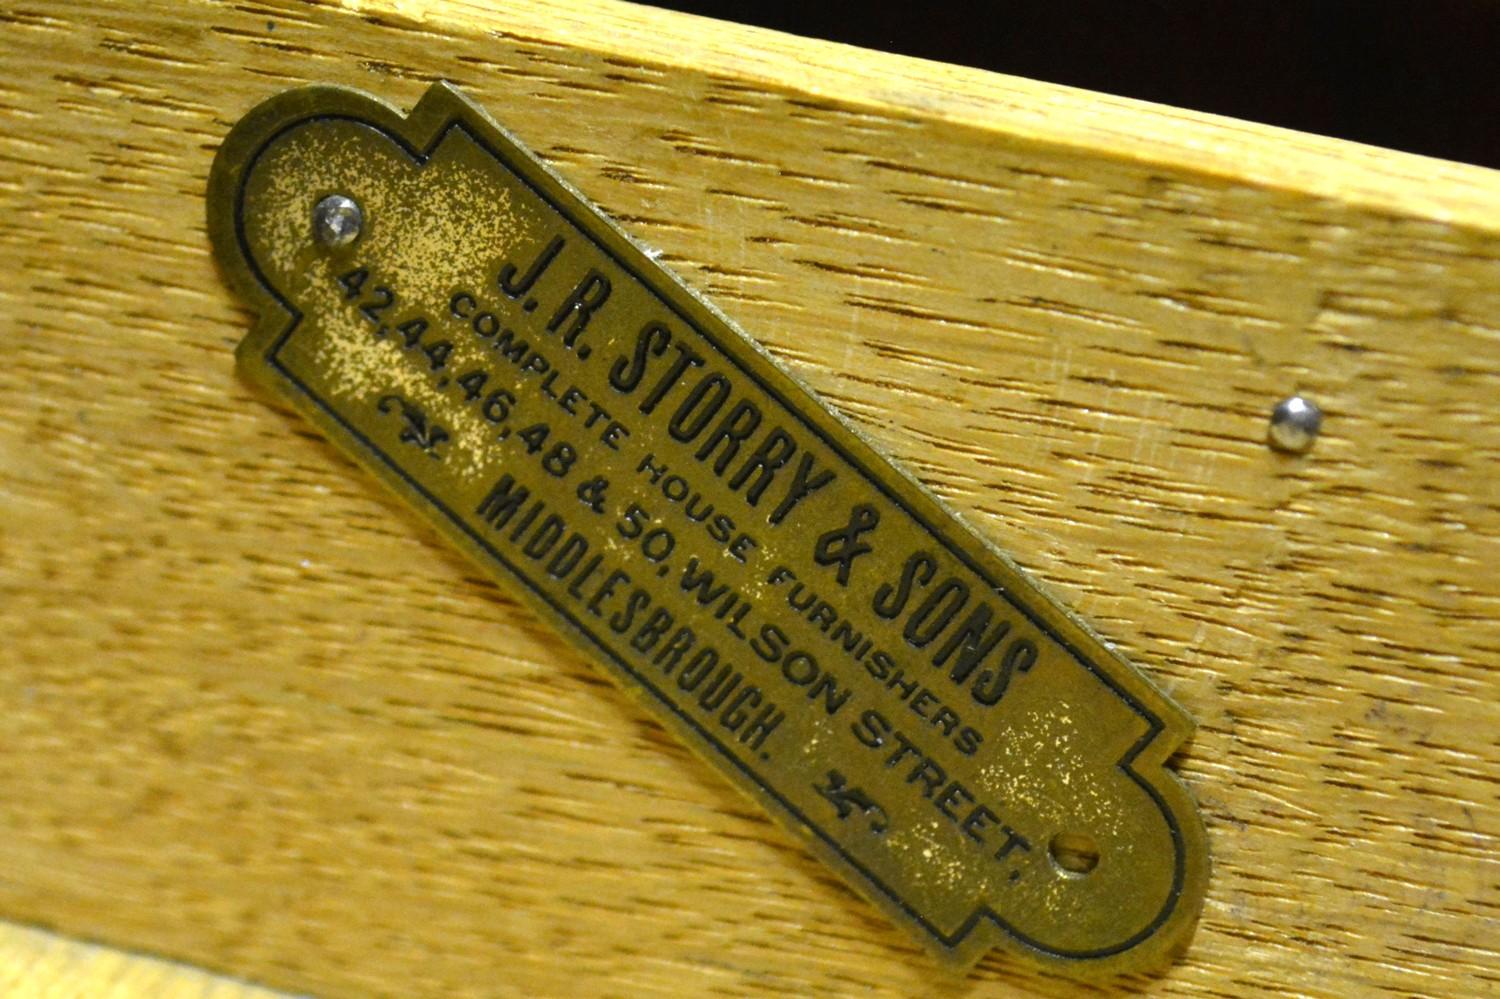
pixel 609 446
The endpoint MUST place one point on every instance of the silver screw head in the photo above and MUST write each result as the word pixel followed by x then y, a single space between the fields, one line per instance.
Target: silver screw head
pixel 1295 423
pixel 337 221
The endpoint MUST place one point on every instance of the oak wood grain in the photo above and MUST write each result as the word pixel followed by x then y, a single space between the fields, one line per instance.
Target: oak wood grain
pixel 256 718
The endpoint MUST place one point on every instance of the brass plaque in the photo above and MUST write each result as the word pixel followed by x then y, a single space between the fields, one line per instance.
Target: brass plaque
pixel 612 449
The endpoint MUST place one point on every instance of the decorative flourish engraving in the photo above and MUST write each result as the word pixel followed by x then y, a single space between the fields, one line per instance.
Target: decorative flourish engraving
pixel 846 799
pixel 419 431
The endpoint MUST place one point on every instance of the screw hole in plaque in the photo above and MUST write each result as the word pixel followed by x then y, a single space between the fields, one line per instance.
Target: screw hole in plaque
pixel 1073 854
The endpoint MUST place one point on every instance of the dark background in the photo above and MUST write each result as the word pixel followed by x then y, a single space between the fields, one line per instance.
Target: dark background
pixel 1417 75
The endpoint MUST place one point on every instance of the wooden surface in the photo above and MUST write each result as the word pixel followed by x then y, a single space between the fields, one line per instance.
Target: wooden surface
pixel 255 718
pixel 38 965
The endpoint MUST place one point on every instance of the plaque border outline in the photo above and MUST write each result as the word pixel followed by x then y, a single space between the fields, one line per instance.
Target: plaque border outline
pixel 449 108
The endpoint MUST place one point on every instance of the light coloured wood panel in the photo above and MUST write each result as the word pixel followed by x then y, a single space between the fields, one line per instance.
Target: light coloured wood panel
pixel 257 719
pixel 37 965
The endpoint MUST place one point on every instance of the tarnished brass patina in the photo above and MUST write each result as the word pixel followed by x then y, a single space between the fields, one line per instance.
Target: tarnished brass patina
pixel 611 448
